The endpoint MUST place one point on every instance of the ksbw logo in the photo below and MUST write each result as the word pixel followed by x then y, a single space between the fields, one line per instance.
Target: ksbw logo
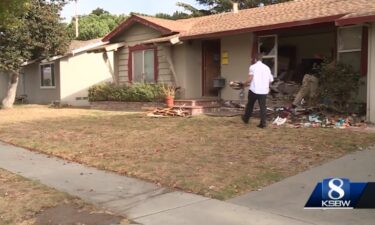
pixel 336 193
pixel 340 193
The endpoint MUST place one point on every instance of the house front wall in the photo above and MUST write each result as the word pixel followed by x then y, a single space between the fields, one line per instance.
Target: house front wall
pixel 238 48
pixel 132 37
pixel 80 72
pixel 188 65
pixel 32 85
pixel 371 76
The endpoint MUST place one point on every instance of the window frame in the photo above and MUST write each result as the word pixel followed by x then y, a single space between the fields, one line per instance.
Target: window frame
pixel 142 48
pixel 363 50
pixel 275 56
pixel 354 50
pixel 53 75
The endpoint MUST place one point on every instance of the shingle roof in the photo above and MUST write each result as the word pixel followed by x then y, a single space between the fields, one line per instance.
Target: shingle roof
pixel 284 13
pixel 75 44
pixel 293 13
pixel 173 25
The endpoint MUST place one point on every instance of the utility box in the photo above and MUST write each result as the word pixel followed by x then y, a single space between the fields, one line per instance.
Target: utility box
pixel 219 82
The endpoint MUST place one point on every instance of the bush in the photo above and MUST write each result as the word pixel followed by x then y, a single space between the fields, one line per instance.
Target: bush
pixel 337 84
pixel 139 92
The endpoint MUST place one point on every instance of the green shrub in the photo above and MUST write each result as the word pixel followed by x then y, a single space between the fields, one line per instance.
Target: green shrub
pixel 138 92
pixel 338 83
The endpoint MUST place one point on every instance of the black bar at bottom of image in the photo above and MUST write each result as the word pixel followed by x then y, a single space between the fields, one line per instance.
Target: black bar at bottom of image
pixel 367 199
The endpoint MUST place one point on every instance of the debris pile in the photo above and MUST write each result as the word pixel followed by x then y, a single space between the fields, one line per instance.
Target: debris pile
pixel 313 118
pixel 169 112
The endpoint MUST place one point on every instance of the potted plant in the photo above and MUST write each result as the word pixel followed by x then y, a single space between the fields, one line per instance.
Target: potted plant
pixel 169 93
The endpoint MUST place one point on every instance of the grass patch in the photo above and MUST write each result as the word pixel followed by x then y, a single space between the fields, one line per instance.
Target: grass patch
pixel 215 157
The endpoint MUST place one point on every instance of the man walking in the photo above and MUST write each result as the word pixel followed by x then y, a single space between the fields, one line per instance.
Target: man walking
pixel 259 79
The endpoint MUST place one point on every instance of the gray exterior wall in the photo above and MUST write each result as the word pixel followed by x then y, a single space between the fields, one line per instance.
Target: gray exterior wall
pixel 188 65
pixel 239 49
pixel 133 36
pixel 35 93
pixel 371 76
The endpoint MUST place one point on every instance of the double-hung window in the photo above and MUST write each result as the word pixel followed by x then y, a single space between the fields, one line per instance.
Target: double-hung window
pixel 144 66
pixel 350 46
pixel 47 75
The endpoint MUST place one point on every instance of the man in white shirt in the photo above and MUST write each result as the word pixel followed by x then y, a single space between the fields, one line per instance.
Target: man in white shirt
pixel 259 79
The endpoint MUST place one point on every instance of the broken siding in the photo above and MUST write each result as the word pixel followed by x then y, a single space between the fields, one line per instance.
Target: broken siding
pixel 133 36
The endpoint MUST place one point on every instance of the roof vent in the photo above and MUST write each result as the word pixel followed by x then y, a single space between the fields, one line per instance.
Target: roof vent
pixel 235 7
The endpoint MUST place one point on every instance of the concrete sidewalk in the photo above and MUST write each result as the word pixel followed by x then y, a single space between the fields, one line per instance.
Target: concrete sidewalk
pixel 140 201
pixel 288 197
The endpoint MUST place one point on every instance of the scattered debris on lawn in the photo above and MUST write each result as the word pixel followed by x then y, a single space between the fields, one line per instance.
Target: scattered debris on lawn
pixel 168 112
pixel 315 117
pixel 283 93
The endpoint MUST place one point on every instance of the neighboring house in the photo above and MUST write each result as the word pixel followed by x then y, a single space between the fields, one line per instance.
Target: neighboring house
pixel 191 53
pixel 66 78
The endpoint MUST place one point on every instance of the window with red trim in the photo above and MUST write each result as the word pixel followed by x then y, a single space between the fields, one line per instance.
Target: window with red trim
pixel 352 47
pixel 143 64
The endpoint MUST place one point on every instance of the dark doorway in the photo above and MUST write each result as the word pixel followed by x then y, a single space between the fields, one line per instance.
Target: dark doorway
pixel 211 67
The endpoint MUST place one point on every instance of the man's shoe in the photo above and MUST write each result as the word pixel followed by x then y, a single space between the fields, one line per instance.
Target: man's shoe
pixel 261 126
pixel 244 120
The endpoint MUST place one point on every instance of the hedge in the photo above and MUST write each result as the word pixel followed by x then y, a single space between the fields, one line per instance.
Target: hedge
pixel 139 92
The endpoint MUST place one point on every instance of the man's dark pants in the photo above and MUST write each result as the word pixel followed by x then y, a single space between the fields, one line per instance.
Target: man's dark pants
pixel 252 98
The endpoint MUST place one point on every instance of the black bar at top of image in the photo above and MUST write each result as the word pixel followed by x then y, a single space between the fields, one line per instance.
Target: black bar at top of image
pixel 367 199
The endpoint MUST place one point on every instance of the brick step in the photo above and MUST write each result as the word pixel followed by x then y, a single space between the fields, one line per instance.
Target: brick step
pixel 198 102
pixel 196 107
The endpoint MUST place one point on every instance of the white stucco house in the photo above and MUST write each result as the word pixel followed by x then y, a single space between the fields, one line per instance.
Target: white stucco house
pixel 65 78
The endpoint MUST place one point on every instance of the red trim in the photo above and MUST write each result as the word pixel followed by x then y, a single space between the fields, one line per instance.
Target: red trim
pixel 130 65
pixel 132 20
pixel 203 65
pixel 140 48
pixel 264 28
pixel 156 65
pixel 298 28
pixel 364 52
pixel 355 20
pixel 335 50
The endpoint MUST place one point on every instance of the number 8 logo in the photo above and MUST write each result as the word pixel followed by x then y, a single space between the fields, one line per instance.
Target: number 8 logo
pixel 336 188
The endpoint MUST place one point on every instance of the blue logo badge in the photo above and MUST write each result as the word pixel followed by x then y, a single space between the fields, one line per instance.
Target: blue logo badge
pixel 336 193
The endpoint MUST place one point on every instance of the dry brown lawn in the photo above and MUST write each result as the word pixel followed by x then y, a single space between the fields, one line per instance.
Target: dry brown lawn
pixel 25 202
pixel 215 157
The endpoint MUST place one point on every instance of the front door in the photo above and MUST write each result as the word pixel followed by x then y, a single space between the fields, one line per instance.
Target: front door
pixel 211 67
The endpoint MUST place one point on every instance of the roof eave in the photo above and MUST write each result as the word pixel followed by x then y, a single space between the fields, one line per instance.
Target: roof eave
pixel 132 20
pixel 355 20
pixel 265 28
